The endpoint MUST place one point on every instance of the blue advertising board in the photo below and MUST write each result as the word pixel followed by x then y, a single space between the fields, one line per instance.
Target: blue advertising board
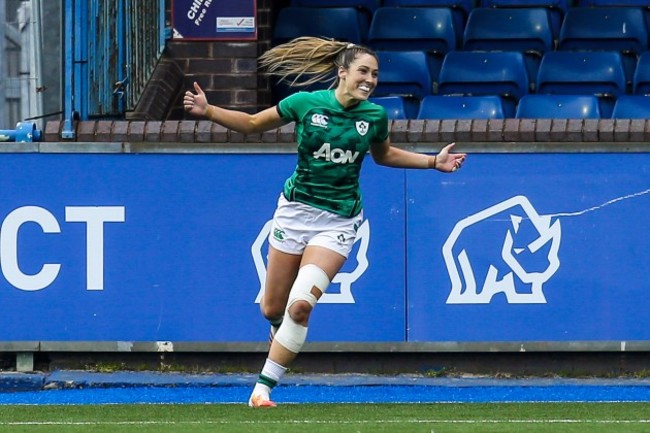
pixel 531 247
pixel 172 247
pixel 162 247
pixel 214 19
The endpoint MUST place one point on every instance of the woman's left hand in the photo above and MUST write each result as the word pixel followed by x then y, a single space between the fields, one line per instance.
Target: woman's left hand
pixel 448 162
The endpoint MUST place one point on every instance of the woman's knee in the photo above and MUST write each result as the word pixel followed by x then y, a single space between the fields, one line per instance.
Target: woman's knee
pixel 300 312
pixel 272 310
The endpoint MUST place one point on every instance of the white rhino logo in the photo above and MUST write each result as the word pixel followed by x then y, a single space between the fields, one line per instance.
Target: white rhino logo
pixel 467 265
pixel 345 279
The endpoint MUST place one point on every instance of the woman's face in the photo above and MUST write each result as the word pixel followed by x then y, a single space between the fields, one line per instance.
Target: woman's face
pixel 360 79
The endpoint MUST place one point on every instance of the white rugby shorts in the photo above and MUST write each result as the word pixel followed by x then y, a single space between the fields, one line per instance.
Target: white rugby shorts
pixel 297 225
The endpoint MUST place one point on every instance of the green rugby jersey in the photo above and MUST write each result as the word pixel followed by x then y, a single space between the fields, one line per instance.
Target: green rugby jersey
pixel 332 142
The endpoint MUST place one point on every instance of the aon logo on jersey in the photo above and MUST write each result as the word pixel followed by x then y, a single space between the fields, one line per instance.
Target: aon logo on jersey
pixel 337 156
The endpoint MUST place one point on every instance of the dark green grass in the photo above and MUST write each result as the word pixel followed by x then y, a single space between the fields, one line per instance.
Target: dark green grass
pixel 331 418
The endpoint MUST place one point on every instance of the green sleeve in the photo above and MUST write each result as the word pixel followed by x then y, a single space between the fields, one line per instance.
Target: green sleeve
pixel 382 126
pixel 291 107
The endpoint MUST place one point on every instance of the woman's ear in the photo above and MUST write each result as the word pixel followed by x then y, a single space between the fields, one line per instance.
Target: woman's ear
pixel 342 72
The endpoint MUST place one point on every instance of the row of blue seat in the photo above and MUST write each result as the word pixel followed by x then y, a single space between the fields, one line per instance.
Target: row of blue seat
pixel 467 5
pixel 505 73
pixel 435 29
pixel 412 75
pixel 529 107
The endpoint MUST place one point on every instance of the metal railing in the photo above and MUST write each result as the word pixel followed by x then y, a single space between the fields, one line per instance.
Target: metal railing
pixel 111 50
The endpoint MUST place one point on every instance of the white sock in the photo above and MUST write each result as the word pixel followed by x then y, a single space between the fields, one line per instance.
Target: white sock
pixel 271 374
pixel 272 370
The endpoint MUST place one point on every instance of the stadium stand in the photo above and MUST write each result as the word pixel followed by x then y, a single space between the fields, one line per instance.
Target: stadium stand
pixel 557 9
pixel 632 107
pixel 460 9
pixel 508 29
pixel 338 23
pixel 476 73
pixel 481 73
pixel 461 107
pixel 366 8
pixel 597 73
pixel 463 5
pixel 426 29
pixel 469 48
pixel 615 3
pixel 511 29
pixel 594 72
pixel 620 29
pixel 398 107
pixel 612 28
pixel 406 73
pixel 641 79
pixel 558 106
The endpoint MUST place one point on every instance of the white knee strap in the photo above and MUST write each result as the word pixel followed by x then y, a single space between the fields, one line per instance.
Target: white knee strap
pixel 308 276
pixel 292 335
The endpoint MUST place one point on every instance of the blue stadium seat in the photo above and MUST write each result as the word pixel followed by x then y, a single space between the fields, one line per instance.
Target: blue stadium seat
pixel 511 29
pixel 366 7
pixel 398 107
pixel 558 107
pixel 604 28
pixel 477 73
pixel 406 73
pixel 615 3
pixel 584 72
pixel 556 9
pixel 632 107
pixel 460 9
pixel 641 80
pixel 464 5
pixel 508 29
pixel 461 107
pixel 598 73
pixel 338 23
pixel 484 73
pixel 424 29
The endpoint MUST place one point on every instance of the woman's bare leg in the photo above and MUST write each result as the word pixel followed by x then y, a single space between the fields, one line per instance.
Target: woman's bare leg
pixel 281 271
pixel 330 262
pixel 317 268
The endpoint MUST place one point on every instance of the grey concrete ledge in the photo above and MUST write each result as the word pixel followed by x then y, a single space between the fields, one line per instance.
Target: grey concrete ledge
pixel 328 347
pixel 178 148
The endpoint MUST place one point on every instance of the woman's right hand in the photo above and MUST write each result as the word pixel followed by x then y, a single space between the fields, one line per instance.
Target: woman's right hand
pixel 196 103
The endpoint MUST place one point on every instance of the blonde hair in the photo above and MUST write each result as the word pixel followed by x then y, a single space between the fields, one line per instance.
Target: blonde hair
pixel 307 60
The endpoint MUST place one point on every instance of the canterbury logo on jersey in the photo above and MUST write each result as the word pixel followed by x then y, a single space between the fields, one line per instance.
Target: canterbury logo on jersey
pixel 319 120
pixel 335 155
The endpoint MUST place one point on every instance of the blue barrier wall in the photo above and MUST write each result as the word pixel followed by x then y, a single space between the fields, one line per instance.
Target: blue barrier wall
pixel 171 247
pixel 531 247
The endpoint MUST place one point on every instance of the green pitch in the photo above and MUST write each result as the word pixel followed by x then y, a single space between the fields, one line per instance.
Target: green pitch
pixel 331 418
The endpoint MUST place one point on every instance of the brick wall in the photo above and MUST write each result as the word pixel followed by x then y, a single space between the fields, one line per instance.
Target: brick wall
pixel 479 135
pixel 226 70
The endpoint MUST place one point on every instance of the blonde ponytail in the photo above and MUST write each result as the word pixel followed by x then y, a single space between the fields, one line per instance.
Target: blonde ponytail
pixel 307 60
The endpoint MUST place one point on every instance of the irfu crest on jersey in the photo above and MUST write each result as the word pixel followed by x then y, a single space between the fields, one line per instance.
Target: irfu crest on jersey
pixel 362 127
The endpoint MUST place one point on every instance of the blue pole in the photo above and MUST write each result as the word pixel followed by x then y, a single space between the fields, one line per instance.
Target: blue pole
pixel 24 132
pixel 69 106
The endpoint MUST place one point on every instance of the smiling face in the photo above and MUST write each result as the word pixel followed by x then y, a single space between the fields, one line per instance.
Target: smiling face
pixel 357 82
